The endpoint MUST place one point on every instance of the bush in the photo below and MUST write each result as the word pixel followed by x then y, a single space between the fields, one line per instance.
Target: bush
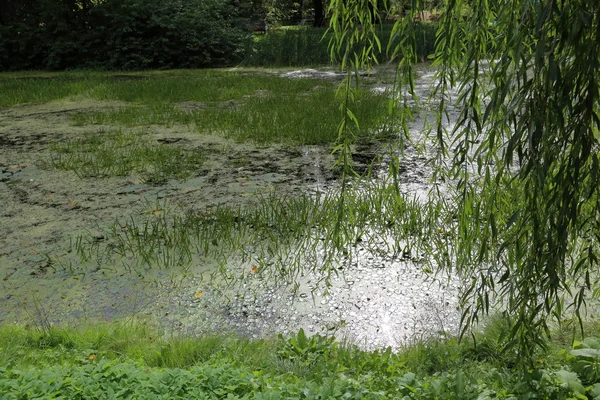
pixel 123 34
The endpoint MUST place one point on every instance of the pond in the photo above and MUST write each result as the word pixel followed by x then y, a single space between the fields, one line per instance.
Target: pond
pixel 64 236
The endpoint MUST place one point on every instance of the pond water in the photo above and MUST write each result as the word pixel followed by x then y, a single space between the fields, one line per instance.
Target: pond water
pixel 375 300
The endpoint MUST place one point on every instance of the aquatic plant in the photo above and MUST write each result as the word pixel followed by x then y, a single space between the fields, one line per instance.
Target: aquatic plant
pixel 281 236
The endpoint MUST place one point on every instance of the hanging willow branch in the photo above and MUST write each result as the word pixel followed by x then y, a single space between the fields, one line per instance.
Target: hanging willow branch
pixel 528 133
pixel 522 157
pixel 355 44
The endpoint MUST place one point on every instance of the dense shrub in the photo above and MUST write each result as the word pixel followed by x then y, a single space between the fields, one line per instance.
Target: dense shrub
pixel 123 34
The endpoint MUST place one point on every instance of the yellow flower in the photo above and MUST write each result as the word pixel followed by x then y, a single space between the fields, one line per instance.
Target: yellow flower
pixel 197 295
pixel 92 357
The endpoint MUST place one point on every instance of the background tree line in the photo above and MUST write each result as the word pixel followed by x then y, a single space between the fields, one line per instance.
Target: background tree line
pixel 155 34
pixel 120 34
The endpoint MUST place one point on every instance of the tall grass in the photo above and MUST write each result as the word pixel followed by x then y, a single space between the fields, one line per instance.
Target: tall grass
pixel 132 358
pixel 133 339
pixel 138 340
pixel 241 105
pixel 288 48
pixel 288 114
pixel 308 46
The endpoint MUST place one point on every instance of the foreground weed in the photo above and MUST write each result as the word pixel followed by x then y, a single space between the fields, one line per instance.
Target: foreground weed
pixel 132 360
pixel 306 350
pixel 118 153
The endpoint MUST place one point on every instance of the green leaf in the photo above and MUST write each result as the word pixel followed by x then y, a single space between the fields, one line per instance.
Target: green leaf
pixel 513 218
pixel 302 339
pixel 504 276
pixel 587 353
pixel 407 379
pixel 577 387
pixel 591 342
pixel 595 391
pixel 570 379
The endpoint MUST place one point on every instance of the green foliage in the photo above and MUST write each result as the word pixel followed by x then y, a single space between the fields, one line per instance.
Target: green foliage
pixel 305 350
pixel 123 34
pixel 274 12
pixel 136 34
pixel 130 360
pixel 108 379
pixel 287 48
pixel 529 123
pixel 585 360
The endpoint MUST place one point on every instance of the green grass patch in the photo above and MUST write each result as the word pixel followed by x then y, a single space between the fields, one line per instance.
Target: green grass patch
pixel 42 88
pixel 291 115
pixel 147 87
pixel 118 153
pixel 243 106
pixel 194 85
pixel 131 360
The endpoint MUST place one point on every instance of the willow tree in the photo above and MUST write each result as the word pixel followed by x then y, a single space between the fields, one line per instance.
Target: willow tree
pixel 522 157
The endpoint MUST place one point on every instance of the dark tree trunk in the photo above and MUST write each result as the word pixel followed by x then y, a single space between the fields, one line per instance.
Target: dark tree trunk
pixel 6 12
pixel 296 16
pixel 319 13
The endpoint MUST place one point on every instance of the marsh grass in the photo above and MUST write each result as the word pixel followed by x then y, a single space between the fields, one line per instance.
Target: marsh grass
pixel 301 45
pixel 282 236
pixel 131 339
pixel 243 105
pixel 291 112
pixel 309 117
pixel 149 87
pixel 289 47
pixel 31 87
pixel 279 234
pixel 118 153
pixel 142 342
